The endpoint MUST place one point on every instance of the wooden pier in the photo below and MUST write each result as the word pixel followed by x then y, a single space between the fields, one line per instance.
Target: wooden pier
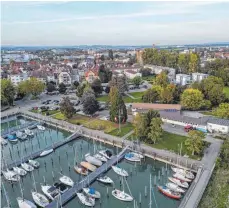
pixel 35 155
pixel 69 194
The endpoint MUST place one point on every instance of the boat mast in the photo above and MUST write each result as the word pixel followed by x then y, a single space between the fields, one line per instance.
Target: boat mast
pixel 150 202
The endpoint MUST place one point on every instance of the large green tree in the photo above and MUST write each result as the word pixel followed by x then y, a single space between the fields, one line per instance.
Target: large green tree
pixel 105 74
pixel 8 92
pixel 162 79
pixel 166 94
pixel 194 63
pixel 222 111
pixel 194 143
pixel 67 108
pixel 120 82
pixel 62 88
pixel 50 87
pixel 192 99
pixel 183 63
pixel 90 104
pixel 155 130
pixel 150 96
pixel 97 86
pixel 137 81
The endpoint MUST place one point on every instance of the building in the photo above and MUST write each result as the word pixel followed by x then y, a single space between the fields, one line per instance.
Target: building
pixel 139 57
pixel 216 125
pixel 198 77
pixel 183 79
pixel 64 77
pixel 130 74
pixel 91 75
pixel 17 78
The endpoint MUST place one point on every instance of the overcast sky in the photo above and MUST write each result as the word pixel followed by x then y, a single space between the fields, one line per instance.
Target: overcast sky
pixel 114 23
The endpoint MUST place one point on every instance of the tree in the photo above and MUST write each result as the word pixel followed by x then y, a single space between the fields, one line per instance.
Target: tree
pixel 192 99
pixel 67 108
pixel 222 111
pixel 166 94
pixel 97 86
pixel 183 63
pixel 8 92
pixel 212 88
pixel 76 84
pixel 137 80
pixel 62 88
pixel 117 106
pixel 34 86
pixel 194 63
pixel 162 79
pixel 155 131
pixel 102 58
pixel 150 96
pixel 90 104
pixel 194 142
pixel 138 125
pixel 80 89
pixel 105 74
pixel 110 54
pixel 146 72
pixel 50 87
pixel 178 92
pixel 120 82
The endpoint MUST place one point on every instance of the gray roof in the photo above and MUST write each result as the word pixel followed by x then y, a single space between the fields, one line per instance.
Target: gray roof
pixel 219 121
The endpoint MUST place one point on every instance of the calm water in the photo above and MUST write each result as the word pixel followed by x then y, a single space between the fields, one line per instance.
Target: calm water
pixel 63 160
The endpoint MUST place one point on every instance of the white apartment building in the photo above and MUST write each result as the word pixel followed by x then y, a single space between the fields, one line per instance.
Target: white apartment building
pixel 198 77
pixel 130 74
pixel 183 79
pixel 64 77
pixel 17 78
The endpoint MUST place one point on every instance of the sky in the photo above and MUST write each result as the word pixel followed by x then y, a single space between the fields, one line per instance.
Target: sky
pixel 63 23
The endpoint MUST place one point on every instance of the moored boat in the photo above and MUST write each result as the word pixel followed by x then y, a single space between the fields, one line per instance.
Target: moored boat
pixel 24 203
pixel 100 157
pixel 120 171
pixel 169 193
pixel 86 200
pixel 66 180
pixel 175 187
pixel 29 132
pixel 11 176
pixel 187 174
pixel 182 184
pixel 34 163
pixel 20 135
pixel 3 141
pixel 27 167
pixel 81 170
pixel 121 195
pixel 41 127
pixel 46 152
pixel 40 199
pixel 132 158
pixel 136 154
pixel 50 191
pixel 88 166
pixel 93 160
pixel 181 177
pixel 19 171
pixel 92 192
pixel 105 179
pixel 12 138
pixel 106 153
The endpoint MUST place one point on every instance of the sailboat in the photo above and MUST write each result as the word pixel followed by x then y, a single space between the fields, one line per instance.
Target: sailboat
pixel 29 132
pixel 121 195
pixel 168 192
pixel 41 127
pixel 93 160
pixel 66 180
pixel 89 166
pixel 24 203
pixel 120 171
pixel 34 163
pixel 100 157
pixel 20 135
pixel 187 174
pixel 12 138
pixel 182 184
pixel 92 192
pixel 3 141
pixel 50 191
pixel 136 154
pixel 181 177
pixel 19 171
pixel 27 167
pixel 106 153
pixel 11 176
pixel 80 169
pixel 38 198
pixel 105 179
pixel 86 200
pixel 132 158
pixel 46 152
pixel 175 187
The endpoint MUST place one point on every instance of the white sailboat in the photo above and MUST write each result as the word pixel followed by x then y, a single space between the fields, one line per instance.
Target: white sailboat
pixel 178 182
pixel 136 154
pixel 100 157
pixel 27 167
pixel 42 128
pixel 121 195
pixel 11 176
pixel 66 180
pixel 187 174
pixel 19 171
pixel 38 198
pixel 34 163
pixel 46 152
pixel 132 158
pixel 50 191
pixel 92 192
pixel 4 141
pixel 92 160
pixel 29 132
pixel 20 135
pixel 106 153
pixel 85 200
pixel 105 179
pixel 181 177
pixel 175 187
pixel 120 171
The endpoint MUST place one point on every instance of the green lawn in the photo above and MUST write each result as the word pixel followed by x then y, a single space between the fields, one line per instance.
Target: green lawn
pixel 226 90
pixel 51 112
pixel 103 98
pixel 149 78
pixel 125 129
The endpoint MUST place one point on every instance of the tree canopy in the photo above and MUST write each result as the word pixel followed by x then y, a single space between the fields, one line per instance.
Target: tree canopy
pixel 62 88
pixel 105 74
pixel 137 80
pixel 120 82
pixel 90 104
pixel 8 92
pixel 97 86
pixel 67 108
pixel 222 111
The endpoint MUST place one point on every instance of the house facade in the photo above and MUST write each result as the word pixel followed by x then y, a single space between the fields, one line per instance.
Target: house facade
pixel 183 79
pixel 64 77
pixel 198 77
pixel 91 75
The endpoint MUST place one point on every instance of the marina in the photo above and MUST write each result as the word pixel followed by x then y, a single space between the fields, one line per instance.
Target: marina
pixel 70 151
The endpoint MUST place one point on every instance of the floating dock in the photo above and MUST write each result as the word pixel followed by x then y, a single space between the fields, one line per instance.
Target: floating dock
pixel 37 154
pixel 70 193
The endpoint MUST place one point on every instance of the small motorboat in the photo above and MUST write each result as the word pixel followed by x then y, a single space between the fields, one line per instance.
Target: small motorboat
pixel 24 203
pixel 182 184
pixel 27 167
pixel 132 158
pixel 29 132
pixel 121 195
pixel 92 193
pixel 174 187
pixel 120 171
pixel 19 171
pixel 81 170
pixel 34 163
pixel 40 199
pixel 137 155
pixel 50 191
pixel 100 157
pixel 46 152
pixel 12 138
pixel 89 166
pixel 93 160
pixel 86 200
pixel 41 127
pixel 181 177
pixel 3 141
pixel 20 135
pixel 61 187
pixel 66 180
pixel 105 179
pixel 169 193
pixel 187 174
pixel 106 153
pixel 11 176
